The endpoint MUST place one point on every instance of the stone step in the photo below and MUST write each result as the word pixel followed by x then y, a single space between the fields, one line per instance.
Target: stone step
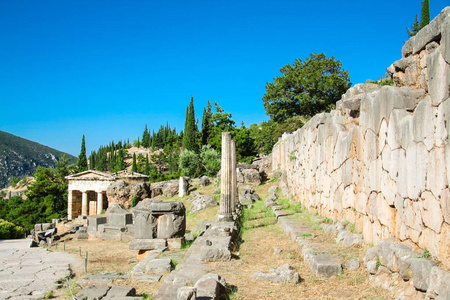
pixel 321 260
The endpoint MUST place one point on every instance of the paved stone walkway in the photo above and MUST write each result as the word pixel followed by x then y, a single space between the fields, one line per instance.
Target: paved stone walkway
pixel 30 273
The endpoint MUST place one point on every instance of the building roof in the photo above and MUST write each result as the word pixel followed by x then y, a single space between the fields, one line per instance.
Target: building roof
pixel 91 175
pixel 129 174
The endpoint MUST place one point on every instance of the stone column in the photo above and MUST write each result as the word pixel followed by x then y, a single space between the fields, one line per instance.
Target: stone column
pixel 183 187
pixel 225 211
pixel 234 199
pixel 69 205
pixel 99 202
pixel 84 203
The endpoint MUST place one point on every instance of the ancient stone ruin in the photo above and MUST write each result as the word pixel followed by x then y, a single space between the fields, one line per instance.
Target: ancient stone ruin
pixel 228 178
pixel 381 159
pixel 157 224
pixel 88 190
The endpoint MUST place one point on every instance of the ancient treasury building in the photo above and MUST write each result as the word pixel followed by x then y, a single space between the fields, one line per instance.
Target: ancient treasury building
pixel 87 190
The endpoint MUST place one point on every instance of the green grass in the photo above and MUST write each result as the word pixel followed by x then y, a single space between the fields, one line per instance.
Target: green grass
pixel 290 207
pixel 425 254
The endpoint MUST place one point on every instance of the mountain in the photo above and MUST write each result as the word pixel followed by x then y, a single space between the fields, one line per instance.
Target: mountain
pixel 21 157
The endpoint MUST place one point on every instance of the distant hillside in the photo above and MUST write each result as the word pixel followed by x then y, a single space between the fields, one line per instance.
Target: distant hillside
pixel 20 157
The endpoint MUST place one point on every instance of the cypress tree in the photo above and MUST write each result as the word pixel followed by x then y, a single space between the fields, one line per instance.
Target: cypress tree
pixel 134 167
pixel 138 143
pixel 425 15
pixel 147 167
pixel 82 160
pixel 146 138
pixel 206 123
pixel 190 130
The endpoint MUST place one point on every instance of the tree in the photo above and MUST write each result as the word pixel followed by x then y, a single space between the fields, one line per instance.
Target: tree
pixel 206 123
pixel 189 163
pixel 306 88
pixel 145 138
pixel 210 160
pixel 425 14
pixel 190 129
pixel 414 28
pixel 134 166
pixel 82 160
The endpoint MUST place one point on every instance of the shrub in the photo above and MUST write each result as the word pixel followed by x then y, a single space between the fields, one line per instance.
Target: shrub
pixel 9 230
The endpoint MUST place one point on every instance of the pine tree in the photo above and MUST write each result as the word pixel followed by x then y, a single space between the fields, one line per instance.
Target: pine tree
pixel 425 15
pixel 206 123
pixel 414 28
pixel 134 167
pixel 82 160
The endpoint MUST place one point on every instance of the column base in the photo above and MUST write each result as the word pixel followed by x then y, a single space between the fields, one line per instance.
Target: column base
pixel 225 218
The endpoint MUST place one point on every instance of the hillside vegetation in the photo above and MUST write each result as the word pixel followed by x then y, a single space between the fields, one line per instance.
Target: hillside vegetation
pixel 20 157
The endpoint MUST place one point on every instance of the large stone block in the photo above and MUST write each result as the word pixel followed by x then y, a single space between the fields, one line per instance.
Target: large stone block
pixel 118 216
pixel 421 269
pixel 438 73
pixel 416 169
pixel 439 286
pixel 94 221
pixel 445 205
pixel 436 171
pixel 159 219
pixel 394 130
pixel 442 124
pixel 429 33
pixel 423 123
pixel 147 244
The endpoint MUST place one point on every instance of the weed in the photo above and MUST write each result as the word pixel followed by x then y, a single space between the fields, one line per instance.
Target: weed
pixel 378 262
pixel 292 156
pixel 146 296
pixel 425 254
pixel 173 264
pixel 306 235
pixel 48 295
pixel 327 220
pixel 314 253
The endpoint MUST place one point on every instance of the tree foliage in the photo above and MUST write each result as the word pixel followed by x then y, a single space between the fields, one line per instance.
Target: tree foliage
pixel 306 88
pixel 82 160
pixel 425 14
pixel 9 230
pixel 414 28
pixel 46 198
pixel 190 141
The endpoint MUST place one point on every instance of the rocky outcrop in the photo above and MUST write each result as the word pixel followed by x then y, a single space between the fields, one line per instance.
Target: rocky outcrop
pixel 122 193
pixel 381 160
pixel 200 202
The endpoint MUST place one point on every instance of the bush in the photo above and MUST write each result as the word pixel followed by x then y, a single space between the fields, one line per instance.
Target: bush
pixel 9 230
pixel 189 162
pixel 210 159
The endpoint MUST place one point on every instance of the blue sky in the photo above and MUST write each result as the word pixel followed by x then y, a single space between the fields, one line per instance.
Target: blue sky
pixel 107 68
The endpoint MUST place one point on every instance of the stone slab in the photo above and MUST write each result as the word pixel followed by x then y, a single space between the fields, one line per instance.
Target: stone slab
pixel 147 244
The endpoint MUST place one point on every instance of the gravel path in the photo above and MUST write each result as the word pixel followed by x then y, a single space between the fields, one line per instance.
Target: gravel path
pixel 30 273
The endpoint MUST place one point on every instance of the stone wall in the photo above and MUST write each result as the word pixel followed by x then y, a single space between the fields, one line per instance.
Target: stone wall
pixel 381 160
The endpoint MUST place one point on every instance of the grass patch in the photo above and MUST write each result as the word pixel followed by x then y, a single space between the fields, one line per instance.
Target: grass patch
pixel 290 207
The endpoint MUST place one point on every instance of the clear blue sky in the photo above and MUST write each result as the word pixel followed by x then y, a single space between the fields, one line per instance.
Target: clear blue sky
pixel 107 68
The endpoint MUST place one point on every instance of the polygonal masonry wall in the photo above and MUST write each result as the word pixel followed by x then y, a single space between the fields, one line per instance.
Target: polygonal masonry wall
pixel 381 160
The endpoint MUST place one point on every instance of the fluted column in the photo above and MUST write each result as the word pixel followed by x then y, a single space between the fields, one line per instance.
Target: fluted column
pixel 225 211
pixel 84 203
pixel 69 205
pixel 234 195
pixel 99 202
